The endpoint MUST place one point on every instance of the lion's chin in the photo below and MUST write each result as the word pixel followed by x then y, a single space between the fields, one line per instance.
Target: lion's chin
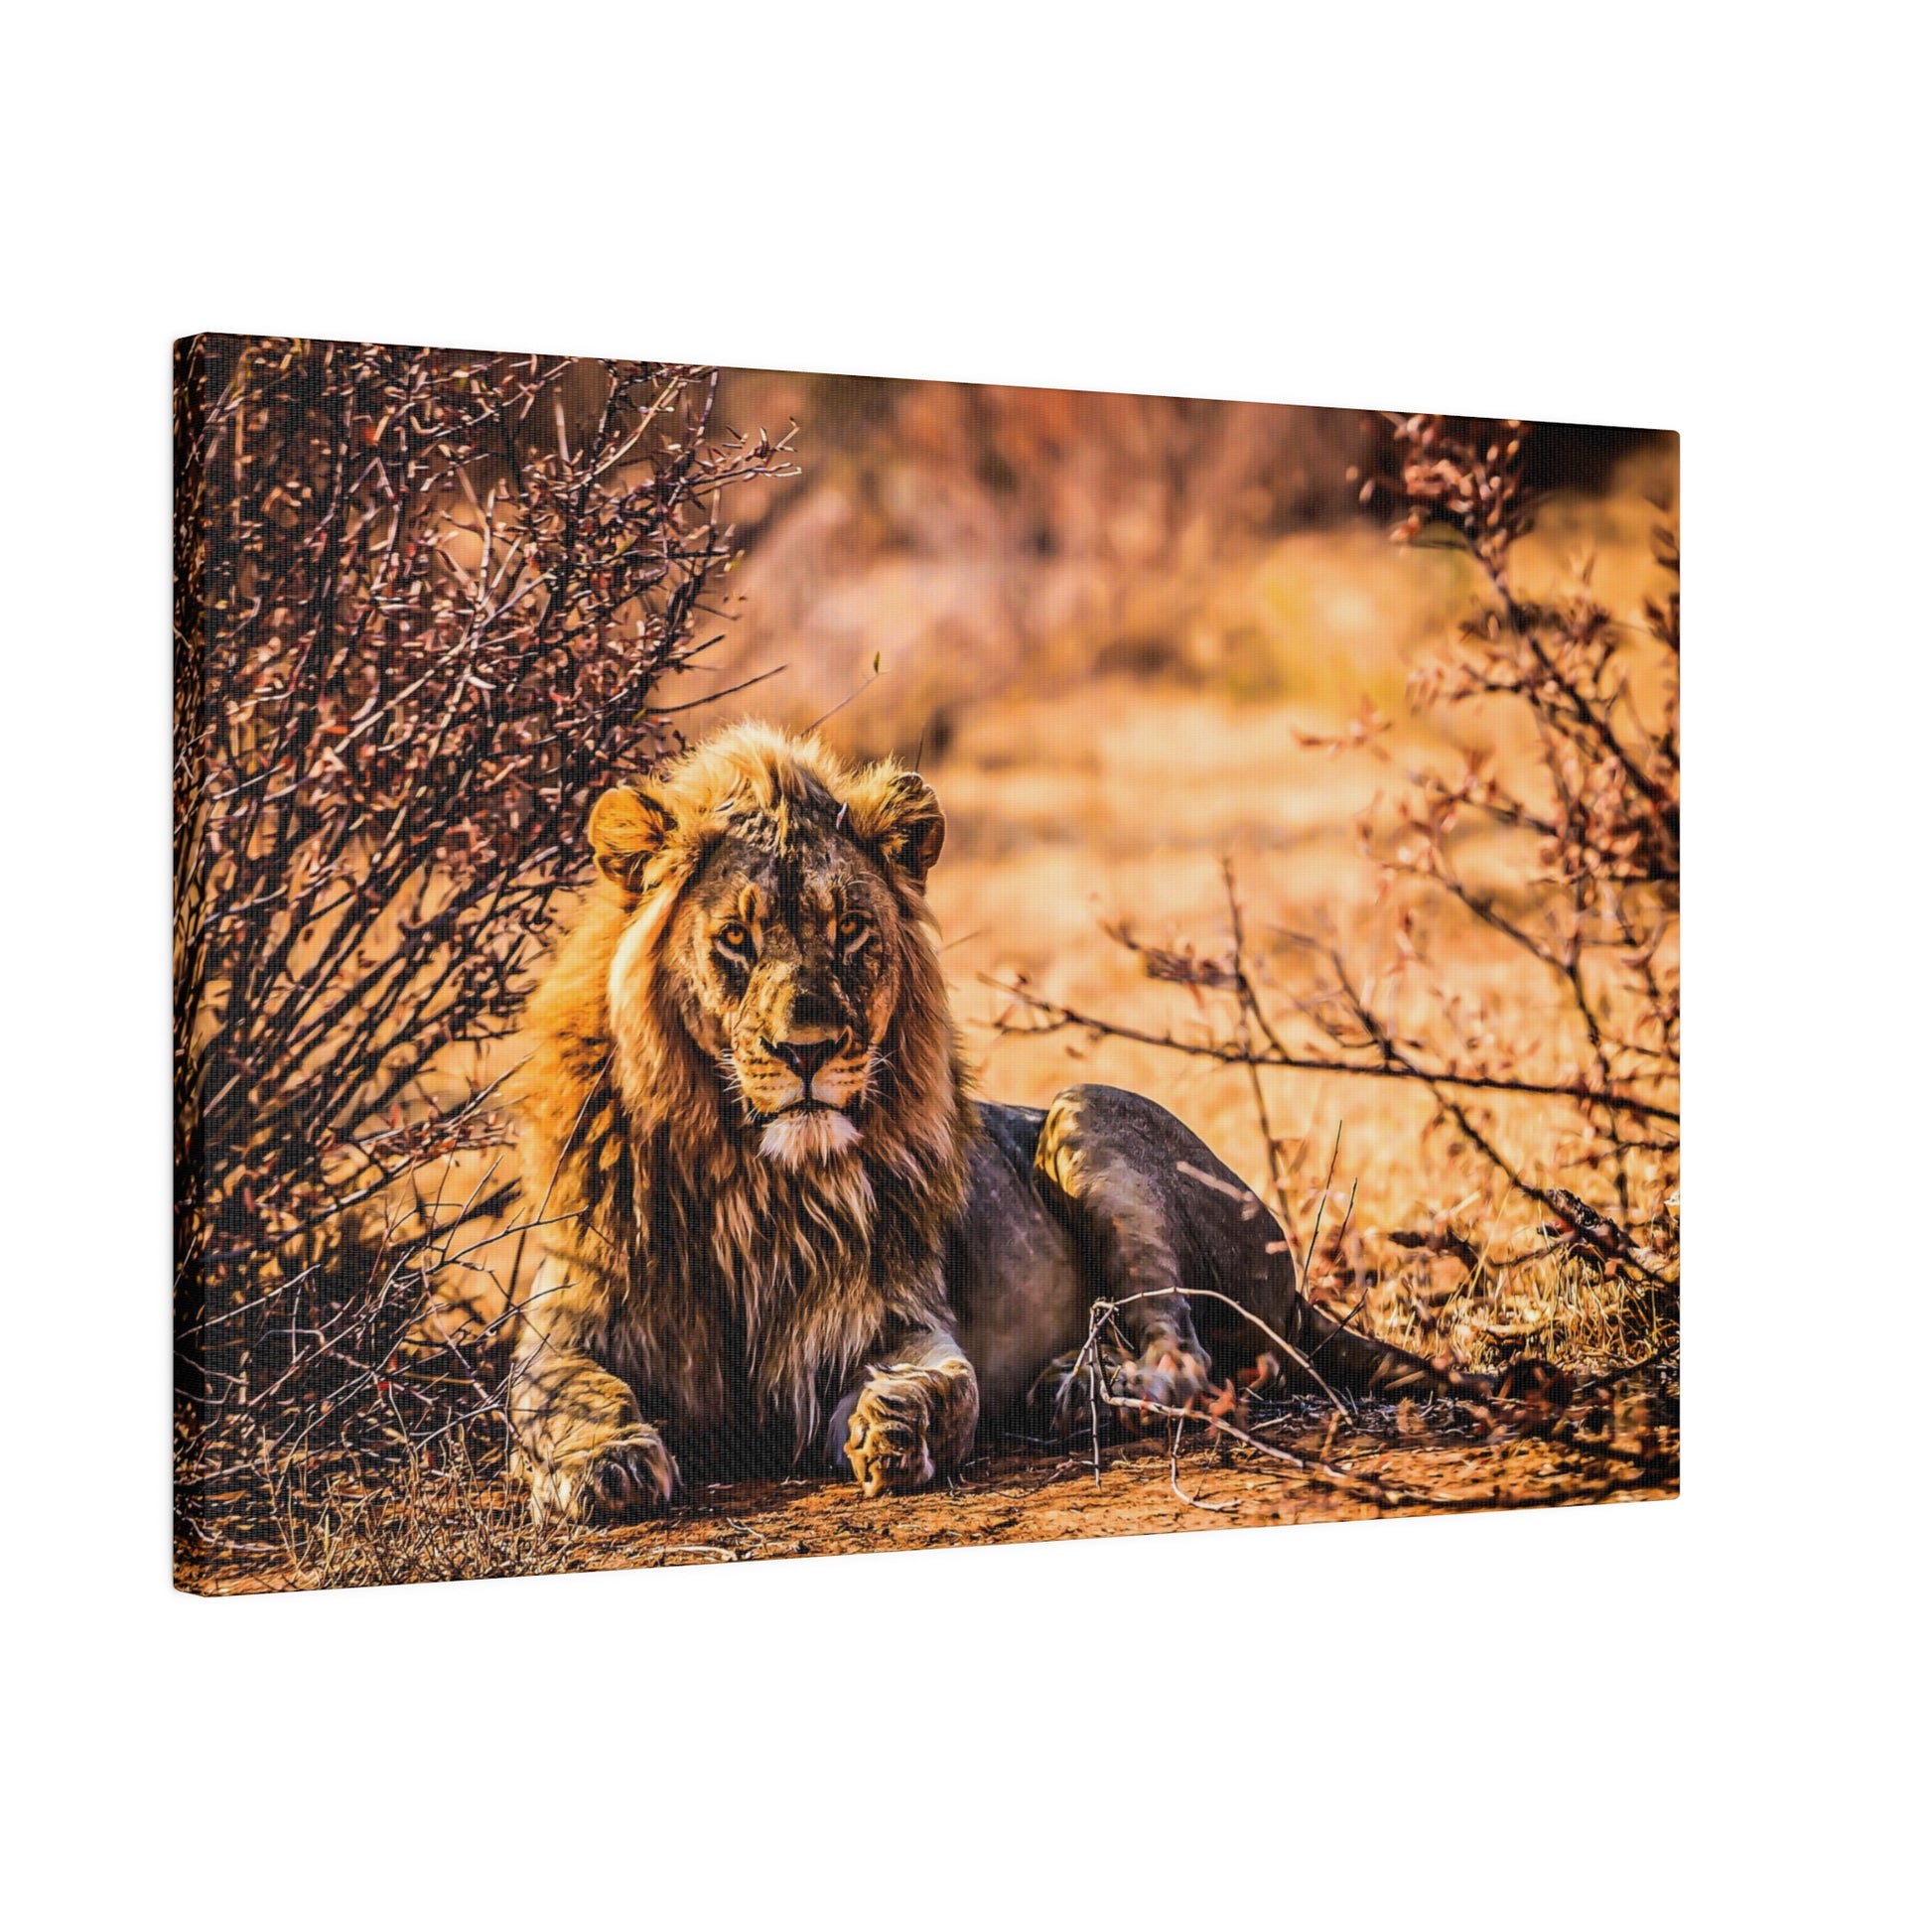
pixel 810 1133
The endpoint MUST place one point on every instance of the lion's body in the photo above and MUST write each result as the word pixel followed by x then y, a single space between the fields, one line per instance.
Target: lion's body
pixel 776 1226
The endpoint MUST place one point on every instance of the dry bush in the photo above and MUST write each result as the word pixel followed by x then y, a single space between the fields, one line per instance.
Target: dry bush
pixel 1524 973
pixel 425 606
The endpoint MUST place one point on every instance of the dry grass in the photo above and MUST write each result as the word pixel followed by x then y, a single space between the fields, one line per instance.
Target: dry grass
pixel 429 1517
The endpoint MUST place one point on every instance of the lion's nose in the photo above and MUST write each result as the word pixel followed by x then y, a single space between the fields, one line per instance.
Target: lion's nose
pixel 805 1057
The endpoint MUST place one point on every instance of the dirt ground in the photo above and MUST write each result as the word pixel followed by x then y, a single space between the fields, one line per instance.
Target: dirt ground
pixel 1020 1495
pixel 1615 1445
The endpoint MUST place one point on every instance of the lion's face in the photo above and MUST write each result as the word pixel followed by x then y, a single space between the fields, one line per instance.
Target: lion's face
pixel 783 966
pixel 772 931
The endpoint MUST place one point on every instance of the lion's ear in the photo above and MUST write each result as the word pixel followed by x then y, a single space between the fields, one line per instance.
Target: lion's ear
pixel 897 813
pixel 629 829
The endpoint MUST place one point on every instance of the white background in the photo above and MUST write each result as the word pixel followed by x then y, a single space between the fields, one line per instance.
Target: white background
pixel 1706 1712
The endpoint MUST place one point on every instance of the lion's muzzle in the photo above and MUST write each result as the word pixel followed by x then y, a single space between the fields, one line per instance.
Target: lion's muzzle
pixel 803 1088
pixel 806 1056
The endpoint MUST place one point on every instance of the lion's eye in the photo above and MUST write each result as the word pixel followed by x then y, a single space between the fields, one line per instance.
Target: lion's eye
pixel 852 930
pixel 734 939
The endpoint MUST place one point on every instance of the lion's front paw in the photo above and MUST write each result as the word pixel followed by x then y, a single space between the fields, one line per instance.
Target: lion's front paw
pixel 624 1475
pixel 909 1423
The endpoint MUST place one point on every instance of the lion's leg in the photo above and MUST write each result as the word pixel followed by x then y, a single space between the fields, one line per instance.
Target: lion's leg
pixel 909 1417
pixel 1157 1213
pixel 581 1435
pixel 1098 1170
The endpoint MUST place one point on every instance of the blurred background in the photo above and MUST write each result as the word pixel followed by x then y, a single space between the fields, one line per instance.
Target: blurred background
pixel 1103 625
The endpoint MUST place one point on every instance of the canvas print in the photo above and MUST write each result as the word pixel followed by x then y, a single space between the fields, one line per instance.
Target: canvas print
pixel 774 964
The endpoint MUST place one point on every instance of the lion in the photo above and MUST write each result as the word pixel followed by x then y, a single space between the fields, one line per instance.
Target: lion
pixel 777 1227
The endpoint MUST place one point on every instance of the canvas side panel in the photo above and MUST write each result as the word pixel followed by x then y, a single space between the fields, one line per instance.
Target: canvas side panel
pixel 191 725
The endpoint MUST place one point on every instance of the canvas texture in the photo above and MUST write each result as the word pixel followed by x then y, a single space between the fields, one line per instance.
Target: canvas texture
pixel 773 965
